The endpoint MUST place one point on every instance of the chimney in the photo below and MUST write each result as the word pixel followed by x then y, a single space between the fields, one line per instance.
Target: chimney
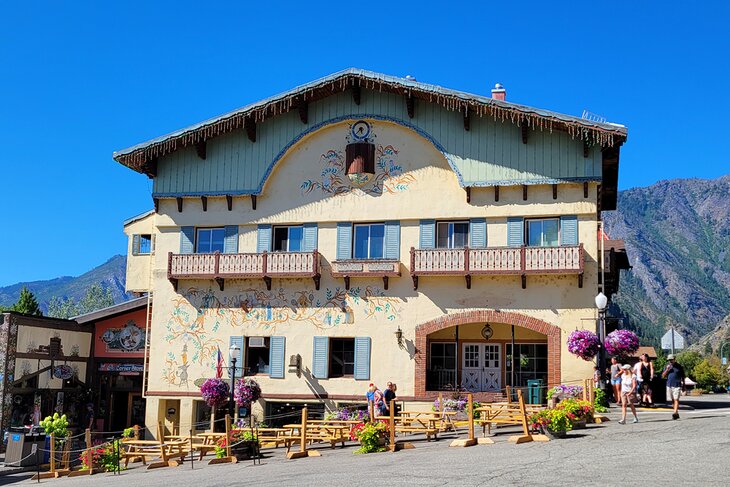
pixel 498 92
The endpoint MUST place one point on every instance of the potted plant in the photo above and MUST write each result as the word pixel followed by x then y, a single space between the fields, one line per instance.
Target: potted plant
pixel 622 343
pixel 580 409
pixel 244 444
pixel 554 423
pixel 583 343
pixel 215 392
pixel 372 436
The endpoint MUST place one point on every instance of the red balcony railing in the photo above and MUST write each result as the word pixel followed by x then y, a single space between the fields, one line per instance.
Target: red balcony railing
pixel 243 266
pixel 497 261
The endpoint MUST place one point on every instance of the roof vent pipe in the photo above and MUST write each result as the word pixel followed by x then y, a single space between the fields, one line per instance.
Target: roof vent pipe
pixel 498 92
pixel 410 78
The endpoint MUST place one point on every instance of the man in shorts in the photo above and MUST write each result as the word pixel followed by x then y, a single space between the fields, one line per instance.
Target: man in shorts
pixel 674 373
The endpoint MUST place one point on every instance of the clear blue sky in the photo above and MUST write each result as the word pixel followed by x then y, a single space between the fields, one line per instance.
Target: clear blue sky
pixel 80 80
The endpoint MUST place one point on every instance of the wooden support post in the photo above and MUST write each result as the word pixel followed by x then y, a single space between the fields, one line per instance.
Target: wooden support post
pixel 51 474
pixel 585 389
pixel 371 411
pixel 228 458
pixel 508 392
pixel 303 452
pixel 526 436
pixel 441 403
pixel 470 441
pixel 394 446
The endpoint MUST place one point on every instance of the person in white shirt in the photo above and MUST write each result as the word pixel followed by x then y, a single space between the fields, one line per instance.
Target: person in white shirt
pixel 628 389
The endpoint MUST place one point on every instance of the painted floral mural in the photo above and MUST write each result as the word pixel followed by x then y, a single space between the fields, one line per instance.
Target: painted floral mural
pixel 333 180
pixel 200 318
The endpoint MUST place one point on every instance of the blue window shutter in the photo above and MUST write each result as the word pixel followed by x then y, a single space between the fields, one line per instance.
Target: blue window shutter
pixel 238 341
pixel 264 239
pixel 320 357
pixel 569 230
pixel 310 237
pixel 230 244
pixel 344 241
pixel 515 232
pixel 362 358
pixel 135 244
pixel 187 237
pixel 276 357
pixel 392 240
pixel 478 232
pixel 428 234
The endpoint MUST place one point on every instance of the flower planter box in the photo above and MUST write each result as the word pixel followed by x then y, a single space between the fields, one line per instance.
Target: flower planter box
pixel 245 450
pixel 555 435
pixel 579 424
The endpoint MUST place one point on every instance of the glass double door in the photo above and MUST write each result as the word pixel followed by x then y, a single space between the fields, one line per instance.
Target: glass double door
pixel 481 365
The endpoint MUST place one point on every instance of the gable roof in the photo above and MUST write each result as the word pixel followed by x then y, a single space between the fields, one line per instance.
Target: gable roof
pixel 139 157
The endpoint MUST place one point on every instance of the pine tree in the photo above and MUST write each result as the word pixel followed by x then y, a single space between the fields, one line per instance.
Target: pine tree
pixel 27 303
pixel 97 297
pixel 64 308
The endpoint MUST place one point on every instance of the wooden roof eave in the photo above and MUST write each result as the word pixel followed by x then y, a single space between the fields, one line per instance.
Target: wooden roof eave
pixel 143 158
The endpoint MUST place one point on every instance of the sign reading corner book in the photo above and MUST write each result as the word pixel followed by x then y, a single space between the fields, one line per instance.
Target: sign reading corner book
pixel 667 340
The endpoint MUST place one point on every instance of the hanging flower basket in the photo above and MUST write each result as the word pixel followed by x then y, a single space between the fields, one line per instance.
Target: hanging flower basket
pixel 215 392
pixel 622 343
pixel 584 343
pixel 246 391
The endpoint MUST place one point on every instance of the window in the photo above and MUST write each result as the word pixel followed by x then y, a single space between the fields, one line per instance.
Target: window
pixel 443 356
pixel 369 241
pixel 288 239
pixel 257 355
pixel 452 235
pixel 145 244
pixel 530 363
pixel 342 357
pixel 543 232
pixel 209 240
pixel 202 415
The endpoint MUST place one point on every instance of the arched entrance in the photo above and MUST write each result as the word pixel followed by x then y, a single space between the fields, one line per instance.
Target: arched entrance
pixel 550 333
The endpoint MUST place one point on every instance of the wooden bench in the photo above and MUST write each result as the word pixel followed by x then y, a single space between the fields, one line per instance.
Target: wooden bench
pixel 412 422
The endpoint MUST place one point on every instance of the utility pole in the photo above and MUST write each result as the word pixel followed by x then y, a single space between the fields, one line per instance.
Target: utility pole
pixel 672 339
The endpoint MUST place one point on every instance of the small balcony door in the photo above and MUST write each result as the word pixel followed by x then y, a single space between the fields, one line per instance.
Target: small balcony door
pixel 481 367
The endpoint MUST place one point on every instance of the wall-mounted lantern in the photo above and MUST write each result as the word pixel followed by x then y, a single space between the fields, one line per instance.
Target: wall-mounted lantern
pixel 295 364
pixel 399 336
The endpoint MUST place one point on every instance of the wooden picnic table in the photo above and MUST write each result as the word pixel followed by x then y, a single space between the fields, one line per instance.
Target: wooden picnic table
pixel 166 450
pixel 319 432
pixel 446 418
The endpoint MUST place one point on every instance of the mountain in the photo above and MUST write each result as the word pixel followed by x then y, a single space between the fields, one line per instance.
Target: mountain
pixel 677 236
pixel 110 274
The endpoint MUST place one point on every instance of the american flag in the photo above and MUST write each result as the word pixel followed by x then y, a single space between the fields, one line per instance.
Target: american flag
pixel 219 365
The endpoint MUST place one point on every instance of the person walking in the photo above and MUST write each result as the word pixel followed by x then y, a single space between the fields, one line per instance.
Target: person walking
pixel 646 372
pixel 628 389
pixel 674 373
pixel 616 379
pixel 637 373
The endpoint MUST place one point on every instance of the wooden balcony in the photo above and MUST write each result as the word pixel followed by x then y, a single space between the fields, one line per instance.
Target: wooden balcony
pixel 243 266
pixel 366 268
pixel 519 261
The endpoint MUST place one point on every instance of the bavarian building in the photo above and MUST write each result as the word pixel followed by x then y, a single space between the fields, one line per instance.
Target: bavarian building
pixel 365 228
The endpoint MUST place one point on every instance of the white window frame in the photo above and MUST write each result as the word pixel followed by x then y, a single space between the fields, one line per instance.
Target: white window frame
pixel 450 242
pixel 288 229
pixel 208 229
pixel 354 240
pixel 542 232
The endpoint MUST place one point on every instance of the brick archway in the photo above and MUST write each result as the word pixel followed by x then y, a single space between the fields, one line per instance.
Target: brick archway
pixel 552 333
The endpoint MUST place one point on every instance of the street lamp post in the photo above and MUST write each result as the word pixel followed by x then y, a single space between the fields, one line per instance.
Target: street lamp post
pixel 601 303
pixel 722 356
pixel 233 354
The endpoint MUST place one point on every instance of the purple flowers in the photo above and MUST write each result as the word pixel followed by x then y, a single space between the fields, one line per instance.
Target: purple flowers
pixel 246 391
pixel 347 414
pixel 562 391
pixel 458 404
pixel 583 343
pixel 215 392
pixel 622 343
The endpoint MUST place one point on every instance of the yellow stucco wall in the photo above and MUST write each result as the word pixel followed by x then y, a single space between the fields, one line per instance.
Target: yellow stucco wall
pixel 202 317
pixel 138 266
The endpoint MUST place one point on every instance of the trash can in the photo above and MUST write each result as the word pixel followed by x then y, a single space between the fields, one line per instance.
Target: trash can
pixel 21 447
pixel 535 391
